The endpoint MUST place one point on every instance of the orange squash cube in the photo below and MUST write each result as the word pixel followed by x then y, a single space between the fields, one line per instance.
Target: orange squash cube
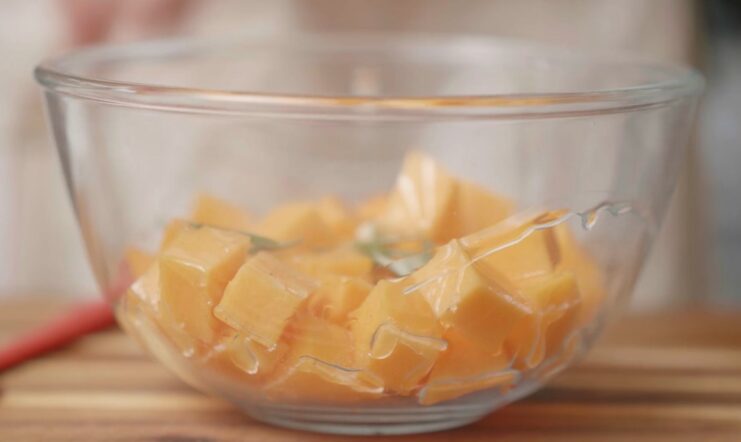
pixel 143 299
pixel 555 302
pixel 421 201
pixel 589 277
pixel 250 357
pixel 261 298
pixel 337 296
pixel 337 217
pixel 372 208
pixel 320 365
pixel 312 380
pixel 146 289
pixel 464 368
pixel 400 358
pixel 173 229
pixel 514 248
pixel 482 306
pixel 474 209
pixel 301 222
pixel 193 272
pixel 215 212
pixel 344 261
pixel 137 261
pixel 397 336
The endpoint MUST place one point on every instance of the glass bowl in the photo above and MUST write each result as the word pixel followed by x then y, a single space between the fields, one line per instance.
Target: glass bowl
pixel 366 234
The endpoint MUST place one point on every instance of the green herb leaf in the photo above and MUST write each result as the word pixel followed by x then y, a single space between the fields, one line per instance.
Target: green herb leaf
pixel 262 243
pixel 383 254
pixel 258 242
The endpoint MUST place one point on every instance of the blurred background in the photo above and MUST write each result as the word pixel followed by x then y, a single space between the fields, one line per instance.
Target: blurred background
pixel 697 256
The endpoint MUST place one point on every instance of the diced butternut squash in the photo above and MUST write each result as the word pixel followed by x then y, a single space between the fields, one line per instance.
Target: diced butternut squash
pixel 474 209
pixel 312 380
pixel 337 217
pixel 316 319
pixel 389 303
pixel 576 259
pixel 440 280
pixel 215 212
pixel 173 229
pixel 137 261
pixel 372 208
pixel 319 339
pixel 555 303
pixel 262 297
pixel 301 222
pixel 143 298
pixel 250 357
pixel 517 248
pixel 464 368
pixel 397 336
pixel 421 201
pixel 345 261
pixel 193 272
pixel 337 296
pixel 400 358
pixel 559 299
pixel 146 289
pixel 483 309
pixel 319 366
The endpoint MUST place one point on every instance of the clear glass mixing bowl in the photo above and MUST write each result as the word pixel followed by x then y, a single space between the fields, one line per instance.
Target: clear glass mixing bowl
pixel 366 234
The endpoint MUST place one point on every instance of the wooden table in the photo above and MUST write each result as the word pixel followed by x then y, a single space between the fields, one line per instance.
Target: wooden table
pixel 660 377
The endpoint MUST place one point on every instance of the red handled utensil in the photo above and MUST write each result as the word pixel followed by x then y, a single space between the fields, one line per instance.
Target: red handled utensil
pixel 63 330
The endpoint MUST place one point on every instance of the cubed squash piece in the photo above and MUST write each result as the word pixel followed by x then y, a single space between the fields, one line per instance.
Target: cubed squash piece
pixel 481 306
pixel 193 272
pixel 474 209
pixel 555 302
pixel 577 260
pixel 215 212
pixel 421 201
pixel 308 335
pixel 372 208
pixel 262 297
pixel 345 261
pixel 400 358
pixel 130 306
pixel 144 296
pixel 337 217
pixel 173 229
pixel 320 365
pixel 337 296
pixel 439 280
pixel 516 248
pixel 397 336
pixel 562 319
pixel 137 261
pixel 250 357
pixel 301 222
pixel 464 368
pixel 146 289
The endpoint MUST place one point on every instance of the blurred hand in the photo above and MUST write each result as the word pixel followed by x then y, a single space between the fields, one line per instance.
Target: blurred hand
pixel 94 21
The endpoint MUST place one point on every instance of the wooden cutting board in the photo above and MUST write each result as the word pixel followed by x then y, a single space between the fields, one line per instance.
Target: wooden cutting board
pixel 660 377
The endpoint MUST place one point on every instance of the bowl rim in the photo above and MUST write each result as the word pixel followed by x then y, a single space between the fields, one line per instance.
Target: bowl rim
pixel 61 75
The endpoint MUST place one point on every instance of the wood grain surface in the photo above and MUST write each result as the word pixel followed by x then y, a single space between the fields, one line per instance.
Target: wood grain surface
pixel 661 377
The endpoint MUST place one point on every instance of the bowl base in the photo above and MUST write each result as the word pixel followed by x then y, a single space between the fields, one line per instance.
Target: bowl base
pixel 380 421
